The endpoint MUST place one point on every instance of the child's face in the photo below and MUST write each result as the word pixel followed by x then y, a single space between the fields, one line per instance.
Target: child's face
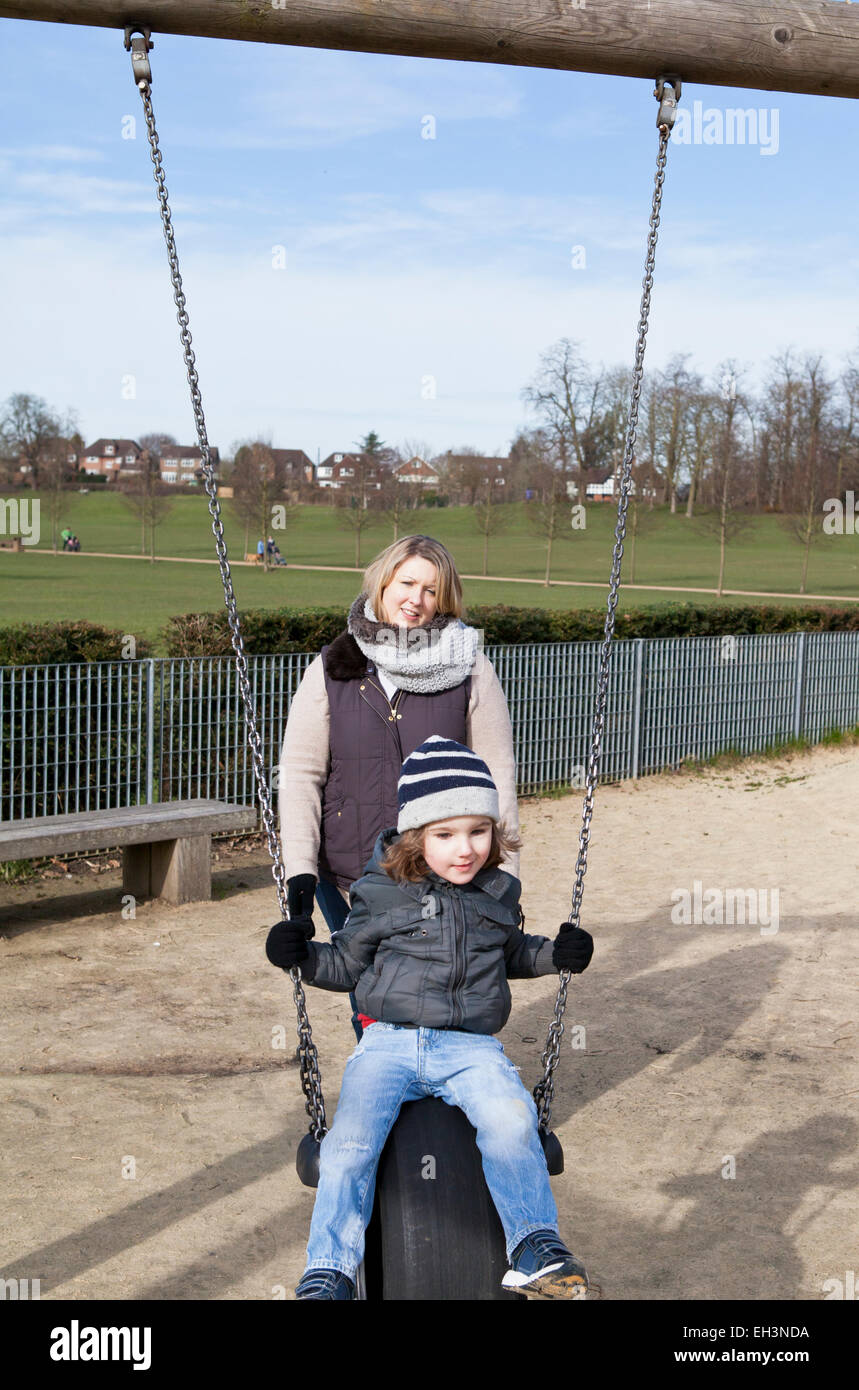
pixel 457 849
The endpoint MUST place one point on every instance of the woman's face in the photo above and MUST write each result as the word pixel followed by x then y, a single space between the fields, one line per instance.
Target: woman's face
pixel 409 600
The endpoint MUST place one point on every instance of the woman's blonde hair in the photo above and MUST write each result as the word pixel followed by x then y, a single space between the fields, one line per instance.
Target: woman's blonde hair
pixel 381 571
pixel 404 859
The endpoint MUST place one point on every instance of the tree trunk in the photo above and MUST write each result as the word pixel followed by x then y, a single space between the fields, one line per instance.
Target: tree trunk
pixel 723 542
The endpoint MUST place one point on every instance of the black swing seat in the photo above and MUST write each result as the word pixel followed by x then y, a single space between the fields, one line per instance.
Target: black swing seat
pixel 307 1156
pixel 434 1232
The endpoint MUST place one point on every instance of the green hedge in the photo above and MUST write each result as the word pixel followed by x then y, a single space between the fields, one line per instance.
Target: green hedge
pixel 41 644
pixel 515 625
pixel 308 629
pixel 264 631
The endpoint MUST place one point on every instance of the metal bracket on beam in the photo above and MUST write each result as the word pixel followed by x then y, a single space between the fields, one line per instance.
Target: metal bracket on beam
pixel 667 93
pixel 139 46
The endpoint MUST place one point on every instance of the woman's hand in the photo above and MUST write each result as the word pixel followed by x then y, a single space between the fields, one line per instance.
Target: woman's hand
pixel 300 898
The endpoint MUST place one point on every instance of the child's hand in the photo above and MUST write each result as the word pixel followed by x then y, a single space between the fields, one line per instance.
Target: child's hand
pixel 286 944
pixel 573 949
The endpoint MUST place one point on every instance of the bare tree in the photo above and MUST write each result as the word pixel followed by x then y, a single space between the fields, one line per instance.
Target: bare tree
pixel 549 515
pixel 260 483
pixel 672 396
pixel 729 517
pixel 847 435
pixel 576 407
pixel 353 517
pixel 649 440
pixel 396 500
pixel 157 444
pixel 27 428
pixel 804 494
pixel 464 473
pixel 56 478
pixel 490 517
pixel 148 498
pixel 780 413
pixel 642 518
pixel 701 444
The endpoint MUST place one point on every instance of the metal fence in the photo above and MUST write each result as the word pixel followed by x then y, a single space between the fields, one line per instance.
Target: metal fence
pixel 108 734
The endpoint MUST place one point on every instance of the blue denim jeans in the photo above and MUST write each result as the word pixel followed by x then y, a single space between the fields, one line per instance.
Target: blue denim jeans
pixel 393 1064
pixel 335 910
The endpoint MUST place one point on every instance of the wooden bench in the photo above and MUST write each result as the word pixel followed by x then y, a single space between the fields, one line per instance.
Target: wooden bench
pixel 166 848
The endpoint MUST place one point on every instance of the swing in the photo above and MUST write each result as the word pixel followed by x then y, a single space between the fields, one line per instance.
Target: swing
pixel 413 1229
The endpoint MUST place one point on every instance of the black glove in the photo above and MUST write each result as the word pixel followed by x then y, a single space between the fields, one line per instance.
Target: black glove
pixel 573 949
pixel 300 899
pixel 286 943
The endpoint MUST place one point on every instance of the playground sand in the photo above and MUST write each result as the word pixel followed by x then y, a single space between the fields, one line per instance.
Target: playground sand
pixel 705 1098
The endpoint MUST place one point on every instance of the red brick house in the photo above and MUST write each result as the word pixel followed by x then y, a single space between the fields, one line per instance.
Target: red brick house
pixel 416 471
pixel 350 470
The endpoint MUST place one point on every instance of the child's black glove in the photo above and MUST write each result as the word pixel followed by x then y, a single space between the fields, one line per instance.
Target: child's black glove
pixel 300 892
pixel 286 943
pixel 573 949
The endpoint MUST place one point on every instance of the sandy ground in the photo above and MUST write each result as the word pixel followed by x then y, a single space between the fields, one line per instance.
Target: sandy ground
pixel 707 1088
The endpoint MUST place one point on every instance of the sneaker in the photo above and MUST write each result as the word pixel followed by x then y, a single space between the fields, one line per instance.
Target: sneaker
pixel 324 1283
pixel 541 1266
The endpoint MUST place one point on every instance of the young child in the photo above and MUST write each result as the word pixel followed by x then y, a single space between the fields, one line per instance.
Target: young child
pixel 432 936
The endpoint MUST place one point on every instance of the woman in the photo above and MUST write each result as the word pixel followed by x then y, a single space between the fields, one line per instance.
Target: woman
pixel 406 667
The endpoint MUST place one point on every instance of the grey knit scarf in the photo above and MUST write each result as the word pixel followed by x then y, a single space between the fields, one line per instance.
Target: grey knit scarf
pixel 434 656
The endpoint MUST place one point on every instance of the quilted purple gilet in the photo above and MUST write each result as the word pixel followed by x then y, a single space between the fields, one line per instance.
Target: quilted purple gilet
pixel 369 738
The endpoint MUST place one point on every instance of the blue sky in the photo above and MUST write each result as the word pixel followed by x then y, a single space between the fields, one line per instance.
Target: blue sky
pixel 412 265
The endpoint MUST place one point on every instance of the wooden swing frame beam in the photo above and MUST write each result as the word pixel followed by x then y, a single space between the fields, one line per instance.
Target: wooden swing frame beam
pixel 809 46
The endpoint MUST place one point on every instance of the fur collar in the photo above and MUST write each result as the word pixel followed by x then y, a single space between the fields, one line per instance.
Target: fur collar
pixel 345 660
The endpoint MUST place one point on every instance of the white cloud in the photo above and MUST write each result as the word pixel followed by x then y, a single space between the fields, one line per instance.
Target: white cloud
pixel 319 355
pixel 58 154
pixel 314 100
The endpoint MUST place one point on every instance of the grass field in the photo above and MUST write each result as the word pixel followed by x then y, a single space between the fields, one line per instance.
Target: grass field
pixel 138 597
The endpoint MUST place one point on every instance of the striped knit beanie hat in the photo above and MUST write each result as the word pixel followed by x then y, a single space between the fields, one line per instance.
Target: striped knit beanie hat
pixel 442 779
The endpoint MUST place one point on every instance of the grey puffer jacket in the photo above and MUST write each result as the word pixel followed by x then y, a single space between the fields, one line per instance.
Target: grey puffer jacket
pixel 431 954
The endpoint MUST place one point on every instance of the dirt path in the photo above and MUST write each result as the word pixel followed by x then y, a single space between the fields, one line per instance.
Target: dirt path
pixel 497 578
pixel 151 1114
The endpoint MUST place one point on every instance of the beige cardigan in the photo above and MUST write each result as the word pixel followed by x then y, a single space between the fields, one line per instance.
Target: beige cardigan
pixel 305 761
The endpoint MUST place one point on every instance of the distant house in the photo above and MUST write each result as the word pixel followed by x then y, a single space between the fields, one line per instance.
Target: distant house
pixel 416 471
pixel 108 456
pixel 600 485
pixel 49 451
pixel 296 463
pixel 345 470
pixel 180 463
pixel 473 471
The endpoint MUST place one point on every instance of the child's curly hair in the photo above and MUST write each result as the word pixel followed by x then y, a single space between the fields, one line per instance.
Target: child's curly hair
pixel 404 859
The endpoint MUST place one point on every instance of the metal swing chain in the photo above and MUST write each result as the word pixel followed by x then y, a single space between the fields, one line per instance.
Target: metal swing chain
pixel 311 1082
pixel 667 92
